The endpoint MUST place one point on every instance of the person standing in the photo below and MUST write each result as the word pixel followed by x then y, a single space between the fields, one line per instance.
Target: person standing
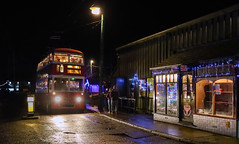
pixel 114 100
pixel 108 96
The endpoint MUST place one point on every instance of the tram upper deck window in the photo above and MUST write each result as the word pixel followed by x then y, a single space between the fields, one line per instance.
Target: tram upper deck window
pixel 76 58
pixel 61 57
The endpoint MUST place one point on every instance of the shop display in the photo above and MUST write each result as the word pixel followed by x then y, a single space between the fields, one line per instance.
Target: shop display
pixel 215 98
pixel 160 98
pixel 172 98
pixel 150 88
pixel 166 94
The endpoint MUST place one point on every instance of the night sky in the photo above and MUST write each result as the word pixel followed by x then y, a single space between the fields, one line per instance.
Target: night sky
pixel 27 28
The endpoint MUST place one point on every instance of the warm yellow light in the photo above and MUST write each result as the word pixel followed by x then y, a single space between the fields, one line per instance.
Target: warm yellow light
pixel 69 66
pixel 91 62
pixel 95 10
pixel 30 107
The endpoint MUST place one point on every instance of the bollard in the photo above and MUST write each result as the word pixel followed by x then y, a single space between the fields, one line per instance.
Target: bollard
pixel 30 104
pixel 30 107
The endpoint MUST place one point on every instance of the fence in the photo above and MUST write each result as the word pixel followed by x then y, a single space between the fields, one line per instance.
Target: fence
pixel 127 104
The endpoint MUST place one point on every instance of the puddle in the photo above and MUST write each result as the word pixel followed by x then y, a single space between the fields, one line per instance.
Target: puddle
pixel 69 133
pixel 120 134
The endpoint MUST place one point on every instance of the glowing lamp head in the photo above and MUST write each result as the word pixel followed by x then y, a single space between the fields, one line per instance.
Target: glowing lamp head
pixel 54 93
pixel 57 99
pixel 91 62
pixel 78 99
pixel 95 10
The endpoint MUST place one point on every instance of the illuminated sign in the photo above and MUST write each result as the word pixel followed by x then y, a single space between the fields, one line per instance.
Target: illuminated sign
pixel 73 67
pixel 70 71
pixel 183 68
pixel 30 99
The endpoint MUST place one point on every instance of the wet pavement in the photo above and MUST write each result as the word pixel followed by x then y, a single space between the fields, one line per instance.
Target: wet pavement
pixel 90 128
pixel 176 132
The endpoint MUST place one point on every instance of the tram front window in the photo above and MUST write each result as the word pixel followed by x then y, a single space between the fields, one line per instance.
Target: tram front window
pixel 61 84
pixel 76 84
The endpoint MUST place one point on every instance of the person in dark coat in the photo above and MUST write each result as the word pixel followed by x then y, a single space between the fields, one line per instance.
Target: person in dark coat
pixel 108 97
pixel 114 100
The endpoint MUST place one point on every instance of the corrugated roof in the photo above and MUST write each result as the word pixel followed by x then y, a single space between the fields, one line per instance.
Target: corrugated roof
pixel 192 22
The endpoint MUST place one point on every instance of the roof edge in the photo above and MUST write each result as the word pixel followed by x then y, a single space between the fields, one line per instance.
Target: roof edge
pixel 163 67
pixel 191 22
pixel 67 50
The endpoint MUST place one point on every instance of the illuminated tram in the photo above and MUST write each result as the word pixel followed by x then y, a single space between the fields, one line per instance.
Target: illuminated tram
pixel 60 81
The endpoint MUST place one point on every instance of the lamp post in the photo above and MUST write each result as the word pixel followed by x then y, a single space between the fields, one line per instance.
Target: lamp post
pixel 96 11
pixel 91 63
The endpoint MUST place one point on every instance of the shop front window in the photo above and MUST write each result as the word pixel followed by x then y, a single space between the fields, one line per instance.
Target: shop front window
pixel 223 92
pixel 204 96
pixel 172 98
pixel 215 98
pixel 160 98
pixel 166 94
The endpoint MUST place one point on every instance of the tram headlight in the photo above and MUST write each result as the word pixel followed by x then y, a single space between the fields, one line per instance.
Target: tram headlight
pixel 57 99
pixel 78 99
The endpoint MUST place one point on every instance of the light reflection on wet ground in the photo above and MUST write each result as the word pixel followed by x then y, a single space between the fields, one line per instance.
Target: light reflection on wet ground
pixel 58 121
pixel 74 128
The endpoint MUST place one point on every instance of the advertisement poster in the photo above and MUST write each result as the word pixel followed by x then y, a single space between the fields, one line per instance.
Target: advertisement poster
pixel 150 82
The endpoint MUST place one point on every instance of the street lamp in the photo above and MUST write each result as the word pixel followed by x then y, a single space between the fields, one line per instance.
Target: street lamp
pixel 96 10
pixel 91 63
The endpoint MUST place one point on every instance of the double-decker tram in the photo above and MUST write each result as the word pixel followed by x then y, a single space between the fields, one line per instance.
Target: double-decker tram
pixel 60 81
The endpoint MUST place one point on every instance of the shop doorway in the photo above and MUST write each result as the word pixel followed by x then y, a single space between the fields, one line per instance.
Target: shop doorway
pixel 187 99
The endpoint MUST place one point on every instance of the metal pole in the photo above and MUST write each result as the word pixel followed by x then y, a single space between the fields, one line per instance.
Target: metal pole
pixel 90 68
pixel 101 54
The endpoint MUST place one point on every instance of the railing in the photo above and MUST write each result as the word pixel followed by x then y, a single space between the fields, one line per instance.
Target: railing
pixel 145 104
pixel 127 104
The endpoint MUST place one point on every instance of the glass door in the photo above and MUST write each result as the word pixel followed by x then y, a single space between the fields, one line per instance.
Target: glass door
pixel 187 98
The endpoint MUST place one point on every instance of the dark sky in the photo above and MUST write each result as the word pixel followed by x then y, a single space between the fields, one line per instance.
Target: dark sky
pixel 26 27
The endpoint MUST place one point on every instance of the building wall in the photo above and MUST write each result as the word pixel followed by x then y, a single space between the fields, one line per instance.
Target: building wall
pixel 165 118
pixel 139 56
pixel 214 124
